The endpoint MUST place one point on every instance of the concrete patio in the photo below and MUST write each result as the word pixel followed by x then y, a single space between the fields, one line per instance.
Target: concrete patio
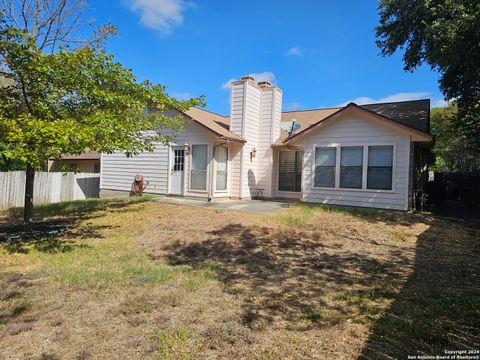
pixel 252 206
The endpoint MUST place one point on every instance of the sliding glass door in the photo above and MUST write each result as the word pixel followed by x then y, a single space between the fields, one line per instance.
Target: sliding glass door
pixel 290 171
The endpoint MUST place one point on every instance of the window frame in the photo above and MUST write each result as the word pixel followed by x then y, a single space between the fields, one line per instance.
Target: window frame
pixel 334 167
pixel 226 169
pixel 361 166
pixel 392 166
pixel 365 146
pixel 190 158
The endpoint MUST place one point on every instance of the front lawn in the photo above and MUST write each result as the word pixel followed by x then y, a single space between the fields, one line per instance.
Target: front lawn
pixel 138 279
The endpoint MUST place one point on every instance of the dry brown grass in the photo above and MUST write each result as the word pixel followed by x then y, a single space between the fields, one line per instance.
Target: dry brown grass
pixel 146 280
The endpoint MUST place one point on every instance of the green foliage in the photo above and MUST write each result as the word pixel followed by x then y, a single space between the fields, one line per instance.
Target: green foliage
pixel 452 150
pixel 77 100
pixel 444 34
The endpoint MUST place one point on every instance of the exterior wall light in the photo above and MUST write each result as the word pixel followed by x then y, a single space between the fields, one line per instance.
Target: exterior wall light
pixel 253 153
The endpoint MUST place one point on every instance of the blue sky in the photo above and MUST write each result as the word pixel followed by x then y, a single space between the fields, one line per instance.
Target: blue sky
pixel 321 53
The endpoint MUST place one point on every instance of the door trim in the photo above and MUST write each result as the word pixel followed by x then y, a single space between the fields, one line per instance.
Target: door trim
pixel 171 169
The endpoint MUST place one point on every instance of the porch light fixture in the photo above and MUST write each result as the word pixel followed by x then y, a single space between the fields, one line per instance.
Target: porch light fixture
pixel 186 149
pixel 253 153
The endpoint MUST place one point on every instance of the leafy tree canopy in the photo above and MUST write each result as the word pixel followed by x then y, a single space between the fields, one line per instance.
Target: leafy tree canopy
pixel 452 152
pixel 446 35
pixel 76 100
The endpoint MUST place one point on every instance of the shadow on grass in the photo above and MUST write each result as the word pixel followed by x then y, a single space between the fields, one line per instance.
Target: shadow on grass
pixel 58 231
pixel 297 275
pixel 76 208
pixel 438 309
pixel 290 274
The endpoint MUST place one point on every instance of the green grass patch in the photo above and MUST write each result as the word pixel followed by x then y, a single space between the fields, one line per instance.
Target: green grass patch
pixel 77 207
pixel 326 316
pixel 176 343
pixel 103 267
pixel 296 216
pixel 14 307
pixel 301 213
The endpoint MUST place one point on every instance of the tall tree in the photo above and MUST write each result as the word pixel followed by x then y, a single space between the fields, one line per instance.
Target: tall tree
pixel 67 96
pixel 445 34
pixel 452 152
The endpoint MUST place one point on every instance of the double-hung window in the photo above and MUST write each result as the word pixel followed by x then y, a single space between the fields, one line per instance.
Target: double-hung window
pixel 351 167
pixel 325 164
pixel 380 164
pixel 222 159
pixel 199 167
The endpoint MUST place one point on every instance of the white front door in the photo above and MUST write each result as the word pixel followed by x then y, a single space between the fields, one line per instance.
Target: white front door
pixel 177 170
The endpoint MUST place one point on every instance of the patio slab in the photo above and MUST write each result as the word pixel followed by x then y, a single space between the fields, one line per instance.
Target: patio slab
pixel 252 206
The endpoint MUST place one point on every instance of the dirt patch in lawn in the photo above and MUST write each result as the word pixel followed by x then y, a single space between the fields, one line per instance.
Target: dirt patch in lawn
pixel 149 280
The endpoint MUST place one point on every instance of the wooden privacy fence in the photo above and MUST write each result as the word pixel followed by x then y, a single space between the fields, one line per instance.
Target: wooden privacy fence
pixel 49 187
pixel 460 186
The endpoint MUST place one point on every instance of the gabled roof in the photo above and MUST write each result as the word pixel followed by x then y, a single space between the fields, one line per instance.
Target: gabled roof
pixel 217 124
pixel 411 116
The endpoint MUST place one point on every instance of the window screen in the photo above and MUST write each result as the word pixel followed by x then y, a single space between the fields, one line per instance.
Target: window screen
pixel 325 164
pixel 380 164
pixel 199 167
pixel 351 167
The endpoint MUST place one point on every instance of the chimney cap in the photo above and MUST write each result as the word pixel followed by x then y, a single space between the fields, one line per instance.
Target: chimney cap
pixel 264 84
pixel 247 77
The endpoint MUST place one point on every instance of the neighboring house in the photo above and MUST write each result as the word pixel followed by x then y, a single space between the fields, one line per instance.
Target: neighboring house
pixel 86 163
pixel 370 155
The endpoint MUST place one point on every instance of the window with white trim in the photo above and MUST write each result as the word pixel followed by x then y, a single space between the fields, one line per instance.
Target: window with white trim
pixel 199 167
pixel 351 167
pixel 221 157
pixel 380 167
pixel 325 165
pixel 365 167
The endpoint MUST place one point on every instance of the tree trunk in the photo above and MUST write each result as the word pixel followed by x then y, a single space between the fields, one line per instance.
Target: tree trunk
pixel 28 207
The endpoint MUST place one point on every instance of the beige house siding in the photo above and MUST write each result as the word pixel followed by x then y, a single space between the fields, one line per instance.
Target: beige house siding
pixel 351 131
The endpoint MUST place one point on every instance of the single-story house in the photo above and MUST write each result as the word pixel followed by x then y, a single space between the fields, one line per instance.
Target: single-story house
pixel 88 162
pixel 356 155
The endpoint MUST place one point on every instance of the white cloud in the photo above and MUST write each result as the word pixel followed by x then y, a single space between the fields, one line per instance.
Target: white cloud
pixel 295 51
pixel 263 76
pixel 293 106
pixel 182 96
pixel 440 103
pixel 404 96
pixel 159 15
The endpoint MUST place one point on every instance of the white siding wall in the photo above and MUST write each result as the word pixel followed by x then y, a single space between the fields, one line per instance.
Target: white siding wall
pixel 255 114
pixel 234 154
pixel 353 130
pixel 269 131
pixel 118 171
pixel 236 126
pixel 252 117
